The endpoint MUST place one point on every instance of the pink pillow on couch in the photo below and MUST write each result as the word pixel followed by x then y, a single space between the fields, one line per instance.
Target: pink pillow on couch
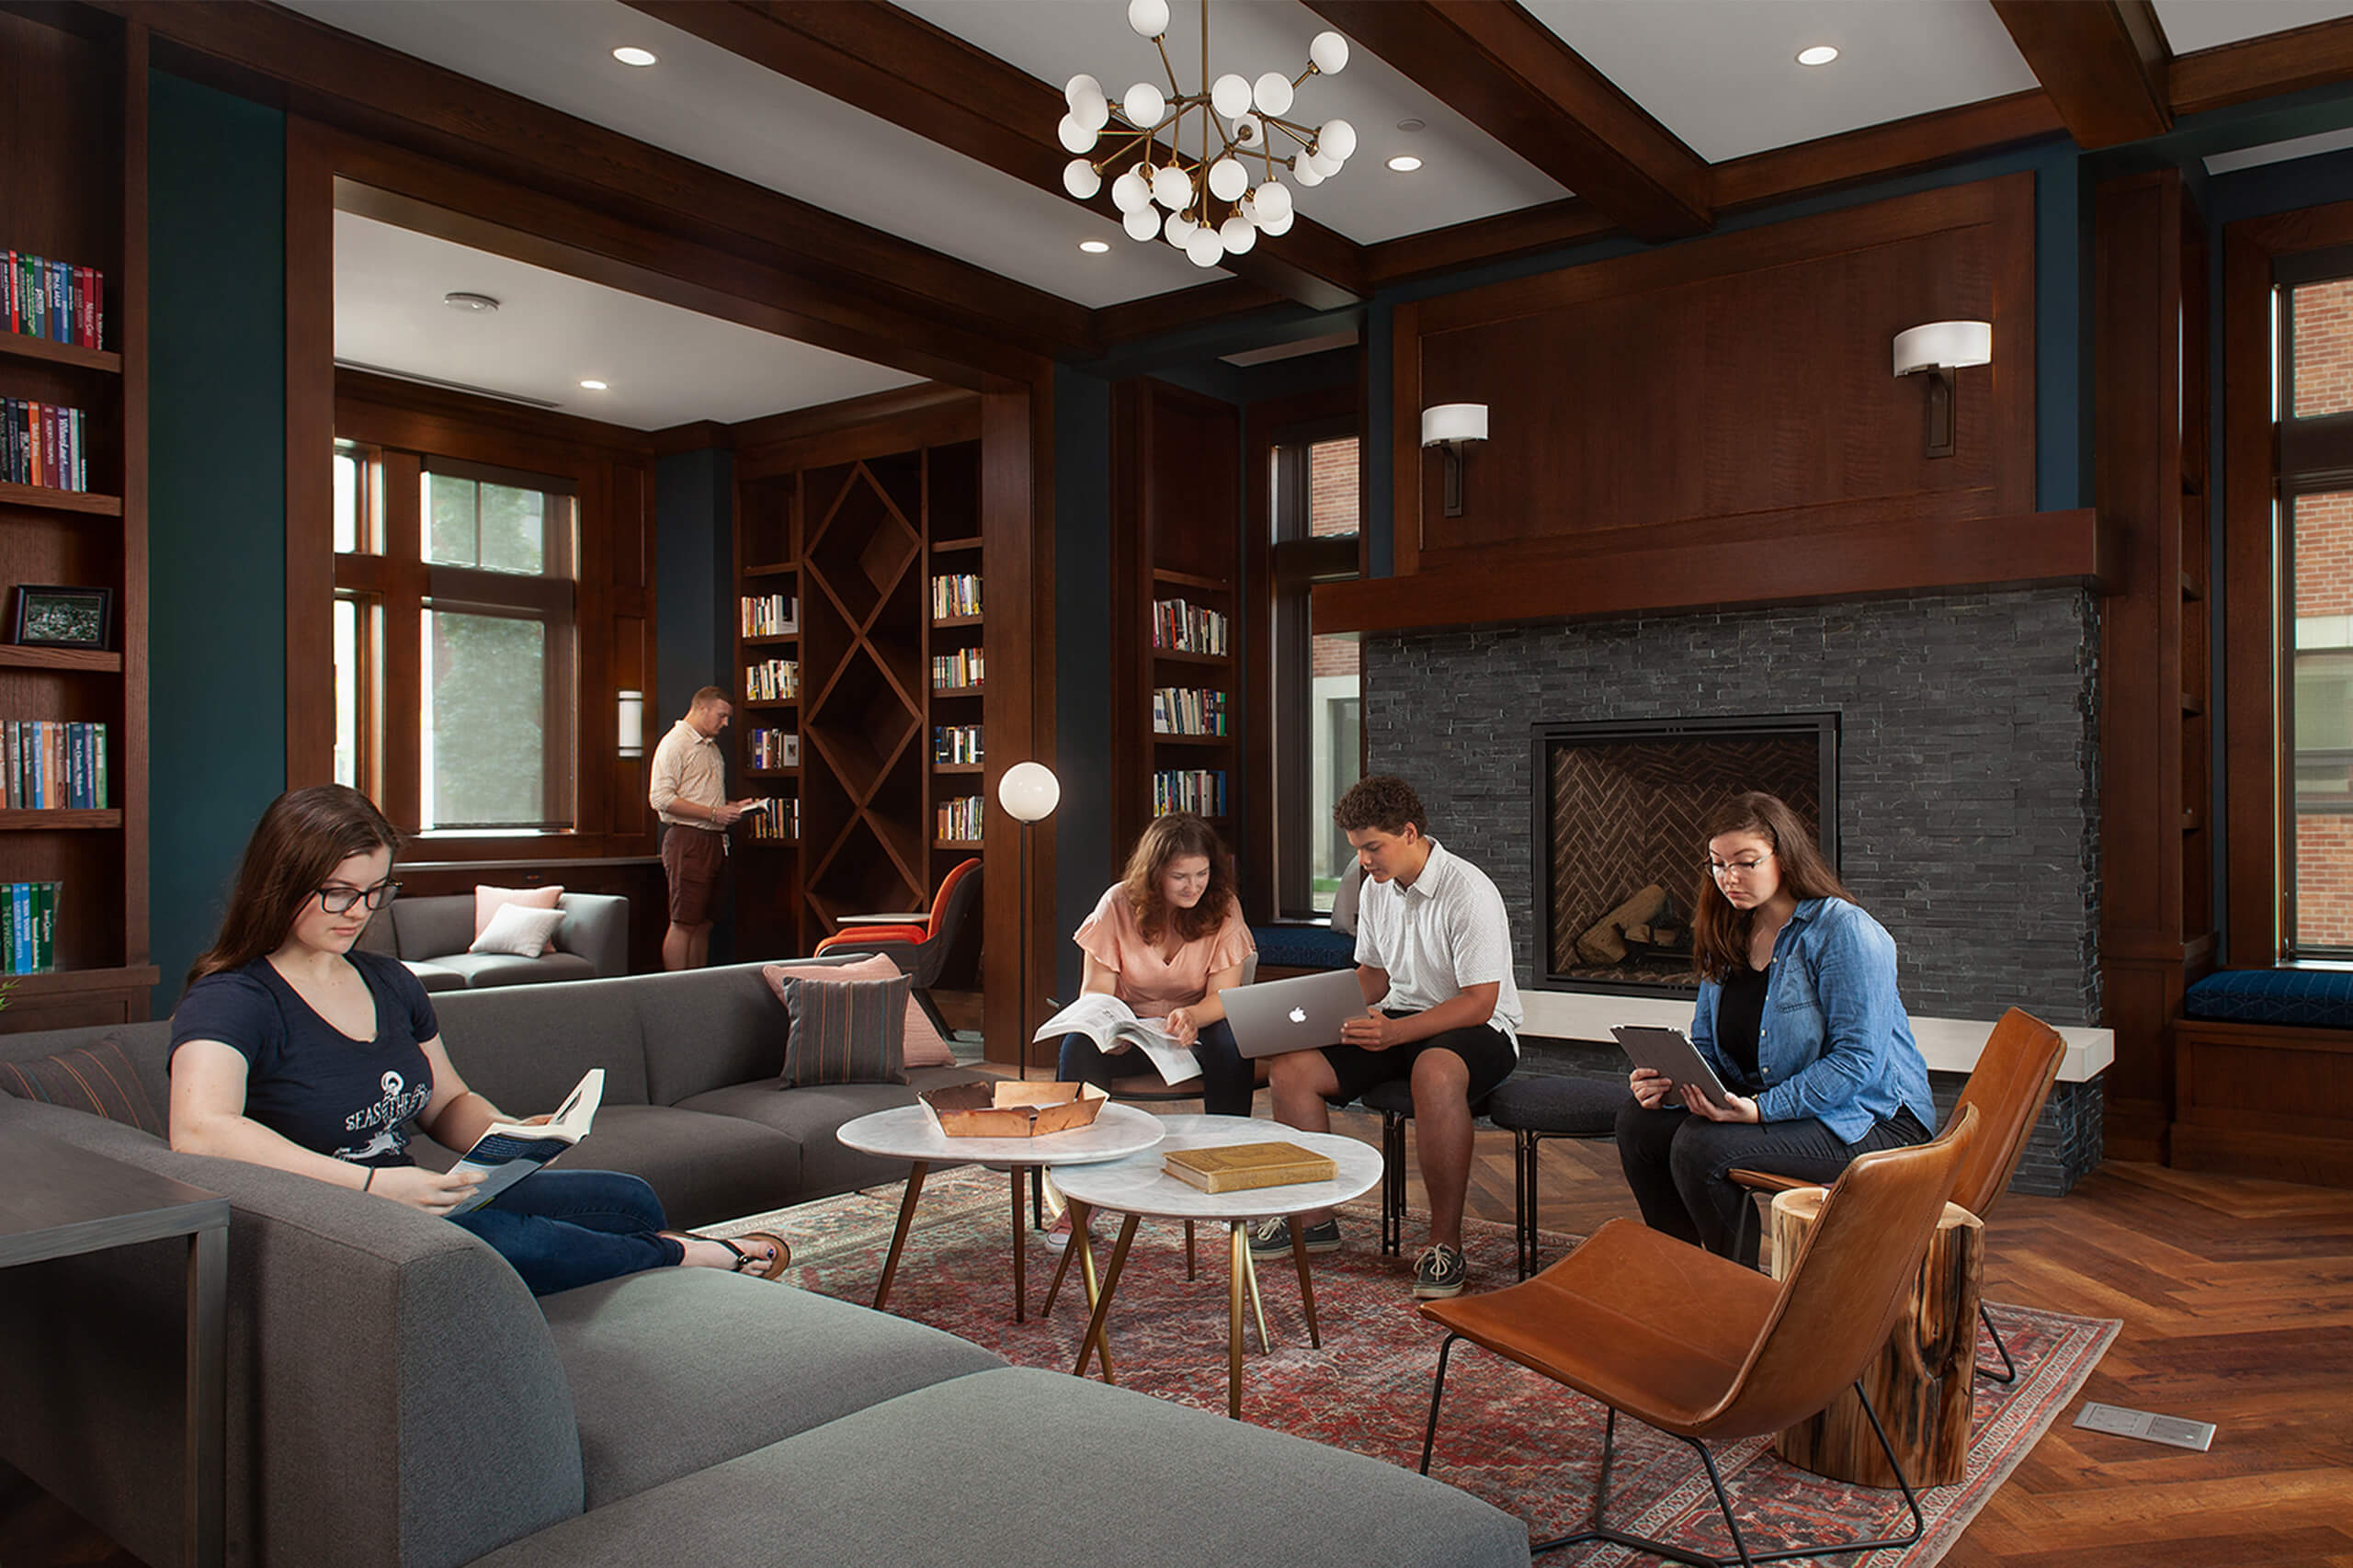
pixel 488 901
pixel 925 1048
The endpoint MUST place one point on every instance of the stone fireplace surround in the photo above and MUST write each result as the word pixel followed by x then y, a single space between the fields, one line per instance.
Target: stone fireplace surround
pixel 1968 788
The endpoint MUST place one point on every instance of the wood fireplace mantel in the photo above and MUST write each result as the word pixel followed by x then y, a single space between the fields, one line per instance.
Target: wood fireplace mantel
pixel 1872 560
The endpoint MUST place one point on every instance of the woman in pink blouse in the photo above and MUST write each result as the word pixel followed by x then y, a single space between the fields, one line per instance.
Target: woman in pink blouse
pixel 1166 939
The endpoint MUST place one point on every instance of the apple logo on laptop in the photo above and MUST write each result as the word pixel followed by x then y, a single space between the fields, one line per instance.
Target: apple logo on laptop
pixel 1298 1014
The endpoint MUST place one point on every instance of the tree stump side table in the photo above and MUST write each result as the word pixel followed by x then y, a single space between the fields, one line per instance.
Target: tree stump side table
pixel 1920 1381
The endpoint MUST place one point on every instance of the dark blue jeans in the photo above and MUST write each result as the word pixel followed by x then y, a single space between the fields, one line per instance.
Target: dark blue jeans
pixel 1227 1081
pixel 562 1229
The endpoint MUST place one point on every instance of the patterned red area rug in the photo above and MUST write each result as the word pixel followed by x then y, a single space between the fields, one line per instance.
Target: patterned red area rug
pixel 1517 1439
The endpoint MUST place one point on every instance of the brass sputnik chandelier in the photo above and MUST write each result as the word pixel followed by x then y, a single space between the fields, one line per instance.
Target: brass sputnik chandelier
pixel 1214 207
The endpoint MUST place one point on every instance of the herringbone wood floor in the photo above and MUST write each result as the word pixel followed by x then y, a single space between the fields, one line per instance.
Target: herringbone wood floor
pixel 2237 1302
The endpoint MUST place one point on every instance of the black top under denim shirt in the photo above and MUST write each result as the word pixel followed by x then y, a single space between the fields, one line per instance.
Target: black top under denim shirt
pixel 1740 1018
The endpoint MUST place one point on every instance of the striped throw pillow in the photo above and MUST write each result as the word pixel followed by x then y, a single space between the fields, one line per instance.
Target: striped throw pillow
pixel 98 1079
pixel 845 1032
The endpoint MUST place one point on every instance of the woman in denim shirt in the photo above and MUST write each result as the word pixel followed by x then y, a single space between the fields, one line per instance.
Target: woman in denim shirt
pixel 1799 1016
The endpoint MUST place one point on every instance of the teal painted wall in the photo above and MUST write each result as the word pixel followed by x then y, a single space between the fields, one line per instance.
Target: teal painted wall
pixel 216 514
pixel 694 639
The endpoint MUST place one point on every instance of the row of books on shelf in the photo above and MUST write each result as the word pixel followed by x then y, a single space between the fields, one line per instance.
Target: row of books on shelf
pixel 960 819
pixel 781 819
pixel 772 680
pixel 771 615
pixel 773 749
pixel 1182 628
pixel 43 444
pixel 955 742
pixel 960 668
pixel 28 927
pixel 1197 789
pixel 56 299
pixel 52 765
pixel 958 593
pixel 1188 710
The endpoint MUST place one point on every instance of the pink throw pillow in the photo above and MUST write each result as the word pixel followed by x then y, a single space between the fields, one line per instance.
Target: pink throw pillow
pixel 488 901
pixel 925 1048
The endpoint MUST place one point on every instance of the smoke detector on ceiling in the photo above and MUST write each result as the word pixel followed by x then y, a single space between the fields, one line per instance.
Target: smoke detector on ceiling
pixel 480 303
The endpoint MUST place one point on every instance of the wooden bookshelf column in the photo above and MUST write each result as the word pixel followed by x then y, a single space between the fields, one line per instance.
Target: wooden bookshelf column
pixel 73 86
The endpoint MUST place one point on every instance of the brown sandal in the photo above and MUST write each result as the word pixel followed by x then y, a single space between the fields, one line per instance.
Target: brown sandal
pixel 749 1262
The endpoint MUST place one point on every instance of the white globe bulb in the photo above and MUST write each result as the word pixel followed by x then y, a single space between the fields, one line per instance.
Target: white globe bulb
pixel 1272 92
pixel 1080 179
pixel 1075 138
pixel 1329 50
pixel 1143 106
pixel 1142 223
pixel 1171 188
pixel 1228 179
pixel 1130 192
pixel 1149 18
pixel 1304 171
pixel 1203 248
pixel 1078 88
pixel 1323 163
pixel 1179 230
pixel 1029 792
pixel 1248 132
pixel 1237 234
pixel 1275 228
pixel 1273 202
pixel 1337 137
pixel 1230 95
pixel 1092 112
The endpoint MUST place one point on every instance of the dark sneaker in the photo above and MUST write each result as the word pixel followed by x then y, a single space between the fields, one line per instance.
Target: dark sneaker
pixel 1271 1238
pixel 1439 1273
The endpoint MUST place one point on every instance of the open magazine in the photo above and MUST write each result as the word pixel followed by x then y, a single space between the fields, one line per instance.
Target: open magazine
pixel 1108 1022
pixel 508 1151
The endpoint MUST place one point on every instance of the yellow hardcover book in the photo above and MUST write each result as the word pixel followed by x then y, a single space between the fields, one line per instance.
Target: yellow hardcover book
pixel 1242 1165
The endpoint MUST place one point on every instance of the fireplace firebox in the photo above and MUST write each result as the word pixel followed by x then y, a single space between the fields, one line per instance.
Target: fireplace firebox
pixel 1619 812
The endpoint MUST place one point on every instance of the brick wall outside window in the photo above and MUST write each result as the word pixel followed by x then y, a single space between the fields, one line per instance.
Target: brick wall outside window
pixel 2323 565
pixel 1331 508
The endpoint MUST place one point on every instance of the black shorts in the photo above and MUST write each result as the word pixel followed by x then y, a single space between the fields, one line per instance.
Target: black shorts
pixel 1486 1051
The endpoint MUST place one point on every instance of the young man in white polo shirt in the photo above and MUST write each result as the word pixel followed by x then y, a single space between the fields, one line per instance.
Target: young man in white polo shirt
pixel 1434 956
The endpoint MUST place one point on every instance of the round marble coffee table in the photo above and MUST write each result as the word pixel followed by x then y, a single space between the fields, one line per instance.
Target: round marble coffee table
pixel 1136 1187
pixel 906 1132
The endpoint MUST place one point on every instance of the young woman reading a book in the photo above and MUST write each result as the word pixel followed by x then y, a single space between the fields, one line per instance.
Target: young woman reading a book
pixel 1799 1016
pixel 292 1050
pixel 1166 939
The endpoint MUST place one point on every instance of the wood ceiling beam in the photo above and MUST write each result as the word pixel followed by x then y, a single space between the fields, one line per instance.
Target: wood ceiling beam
pixel 900 68
pixel 2104 63
pixel 1511 75
pixel 2316 56
pixel 873 288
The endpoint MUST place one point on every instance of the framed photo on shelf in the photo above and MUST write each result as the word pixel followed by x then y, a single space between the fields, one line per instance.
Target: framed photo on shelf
pixel 64 618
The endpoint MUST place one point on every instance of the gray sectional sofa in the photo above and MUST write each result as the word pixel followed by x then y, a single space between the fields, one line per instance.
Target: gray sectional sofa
pixel 431 935
pixel 397 1400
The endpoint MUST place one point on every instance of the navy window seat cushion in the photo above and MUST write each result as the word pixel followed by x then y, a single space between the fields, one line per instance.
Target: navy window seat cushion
pixel 2304 998
pixel 1304 947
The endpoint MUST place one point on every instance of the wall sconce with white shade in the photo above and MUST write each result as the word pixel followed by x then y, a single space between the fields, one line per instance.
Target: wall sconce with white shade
pixel 631 723
pixel 1937 350
pixel 1028 792
pixel 1451 426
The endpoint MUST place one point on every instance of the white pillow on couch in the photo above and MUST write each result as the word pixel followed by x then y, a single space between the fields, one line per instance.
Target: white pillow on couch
pixel 518 929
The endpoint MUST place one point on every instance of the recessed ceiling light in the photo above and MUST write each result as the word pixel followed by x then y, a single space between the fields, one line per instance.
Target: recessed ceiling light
pixel 1410 125
pixel 592 386
pixel 462 302
pixel 1094 247
pixel 1820 54
pixel 630 54
pixel 1405 162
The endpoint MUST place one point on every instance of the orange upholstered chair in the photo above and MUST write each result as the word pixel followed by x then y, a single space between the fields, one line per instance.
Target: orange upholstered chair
pixel 921 951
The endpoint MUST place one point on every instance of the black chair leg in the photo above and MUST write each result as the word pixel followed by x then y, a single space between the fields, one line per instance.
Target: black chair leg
pixel 1392 1183
pixel 1524 1193
pixel 1438 1390
pixel 2009 1372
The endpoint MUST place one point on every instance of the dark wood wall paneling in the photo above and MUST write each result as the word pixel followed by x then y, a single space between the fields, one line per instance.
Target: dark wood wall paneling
pixel 1717 423
pixel 613 469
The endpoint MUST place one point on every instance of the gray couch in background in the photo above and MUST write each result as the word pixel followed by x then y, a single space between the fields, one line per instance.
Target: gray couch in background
pixel 431 936
pixel 397 1400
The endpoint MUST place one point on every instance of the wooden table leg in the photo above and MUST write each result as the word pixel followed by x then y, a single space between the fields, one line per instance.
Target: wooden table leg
pixel 1094 1339
pixel 1020 1250
pixel 1306 1285
pixel 917 1171
pixel 1077 1236
pixel 1258 1305
pixel 1237 1260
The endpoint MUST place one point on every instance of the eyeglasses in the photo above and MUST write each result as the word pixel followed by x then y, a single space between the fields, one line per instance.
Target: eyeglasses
pixel 1720 870
pixel 339 900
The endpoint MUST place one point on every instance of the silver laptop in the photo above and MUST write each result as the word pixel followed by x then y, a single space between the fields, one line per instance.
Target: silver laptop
pixel 1301 1014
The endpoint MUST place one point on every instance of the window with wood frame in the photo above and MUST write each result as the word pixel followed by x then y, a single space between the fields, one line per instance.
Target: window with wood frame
pixel 455 638
pixel 1318 746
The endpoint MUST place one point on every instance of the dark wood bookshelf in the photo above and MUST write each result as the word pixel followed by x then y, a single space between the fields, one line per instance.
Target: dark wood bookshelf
pixel 949 622
pixel 956 692
pixel 56 819
pixel 90 659
pixel 15 345
pixel 1176 656
pixel 89 502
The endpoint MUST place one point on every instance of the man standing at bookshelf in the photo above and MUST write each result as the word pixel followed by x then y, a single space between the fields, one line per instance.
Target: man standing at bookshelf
pixel 688 792
pixel 1442 1014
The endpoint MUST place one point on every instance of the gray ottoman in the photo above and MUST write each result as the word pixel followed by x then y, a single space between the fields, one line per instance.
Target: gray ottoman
pixel 1535 1108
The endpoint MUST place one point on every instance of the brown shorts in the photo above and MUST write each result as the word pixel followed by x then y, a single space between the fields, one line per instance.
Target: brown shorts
pixel 694 860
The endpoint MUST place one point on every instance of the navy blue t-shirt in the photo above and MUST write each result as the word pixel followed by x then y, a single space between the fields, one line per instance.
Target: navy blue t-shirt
pixel 306 1080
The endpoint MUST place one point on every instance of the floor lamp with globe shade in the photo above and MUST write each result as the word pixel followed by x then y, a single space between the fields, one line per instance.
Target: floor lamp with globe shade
pixel 1028 792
